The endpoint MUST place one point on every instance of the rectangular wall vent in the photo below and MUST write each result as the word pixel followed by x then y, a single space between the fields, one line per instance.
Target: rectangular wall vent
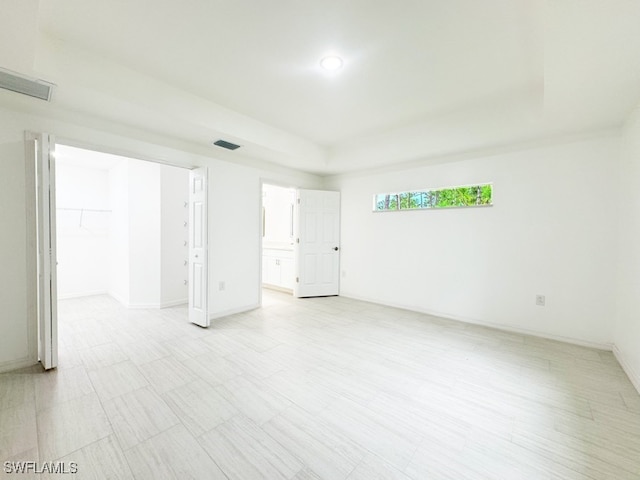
pixel 225 144
pixel 27 86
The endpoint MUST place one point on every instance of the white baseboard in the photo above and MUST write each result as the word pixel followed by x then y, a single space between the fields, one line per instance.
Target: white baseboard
pixel 233 311
pixel 174 303
pixel 17 364
pixel 277 288
pixel 118 299
pixel 84 294
pixel 497 326
pixel 143 306
pixel 626 366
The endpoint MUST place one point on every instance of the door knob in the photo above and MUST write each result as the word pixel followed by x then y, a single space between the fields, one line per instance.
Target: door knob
pixel 335 248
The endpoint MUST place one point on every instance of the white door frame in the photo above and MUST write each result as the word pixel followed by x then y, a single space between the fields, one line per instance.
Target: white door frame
pixel 45 329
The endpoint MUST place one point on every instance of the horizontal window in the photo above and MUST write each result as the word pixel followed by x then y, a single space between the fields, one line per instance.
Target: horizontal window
pixel 463 196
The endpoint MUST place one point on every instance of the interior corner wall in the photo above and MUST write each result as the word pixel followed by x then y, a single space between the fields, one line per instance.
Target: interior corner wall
pixel 551 231
pixel 144 234
pixel 627 332
pixel 174 211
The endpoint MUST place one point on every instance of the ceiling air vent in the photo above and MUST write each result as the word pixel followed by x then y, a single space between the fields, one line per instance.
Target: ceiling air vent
pixel 225 144
pixel 25 85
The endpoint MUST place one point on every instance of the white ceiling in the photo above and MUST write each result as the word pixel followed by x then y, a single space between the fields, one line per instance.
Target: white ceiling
pixel 422 78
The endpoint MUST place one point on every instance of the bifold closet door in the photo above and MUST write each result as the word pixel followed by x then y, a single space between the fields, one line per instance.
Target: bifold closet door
pixel 41 148
pixel 198 244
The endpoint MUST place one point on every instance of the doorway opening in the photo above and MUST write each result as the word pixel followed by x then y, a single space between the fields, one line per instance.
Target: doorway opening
pixel 300 241
pixel 111 227
pixel 122 229
pixel 278 270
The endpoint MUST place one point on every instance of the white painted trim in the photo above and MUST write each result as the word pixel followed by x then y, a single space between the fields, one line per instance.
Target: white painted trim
pixel 118 299
pixel 175 303
pixel 626 366
pixel 142 306
pixel 277 288
pixel 233 311
pixel 474 153
pixel 18 364
pixel 134 306
pixel 84 294
pixel 505 328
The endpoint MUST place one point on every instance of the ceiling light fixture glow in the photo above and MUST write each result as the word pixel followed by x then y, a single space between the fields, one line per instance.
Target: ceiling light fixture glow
pixel 331 63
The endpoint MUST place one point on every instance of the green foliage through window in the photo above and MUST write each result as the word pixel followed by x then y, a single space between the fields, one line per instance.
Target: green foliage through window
pixel 464 196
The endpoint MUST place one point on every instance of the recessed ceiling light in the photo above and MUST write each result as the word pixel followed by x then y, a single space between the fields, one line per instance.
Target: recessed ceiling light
pixel 331 63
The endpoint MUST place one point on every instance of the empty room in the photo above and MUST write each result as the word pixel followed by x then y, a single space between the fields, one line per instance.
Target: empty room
pixel 406 244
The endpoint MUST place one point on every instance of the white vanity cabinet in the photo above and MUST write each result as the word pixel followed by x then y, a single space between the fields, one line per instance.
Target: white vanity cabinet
pixel 277 268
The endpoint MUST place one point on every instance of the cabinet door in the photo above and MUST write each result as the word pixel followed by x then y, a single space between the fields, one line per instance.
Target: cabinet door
pixel 286 273
pixel 273 271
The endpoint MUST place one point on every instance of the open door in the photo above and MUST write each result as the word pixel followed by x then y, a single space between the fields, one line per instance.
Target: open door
pixel 198 262
pixel 42 147
pixel 317 247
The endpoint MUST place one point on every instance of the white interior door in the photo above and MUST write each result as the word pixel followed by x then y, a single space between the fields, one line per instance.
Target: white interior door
pixel 43 147
pixel 198 244
pixel 317 247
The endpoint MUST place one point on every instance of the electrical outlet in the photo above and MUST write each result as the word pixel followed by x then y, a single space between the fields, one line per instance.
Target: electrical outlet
pixel 221 286
pixel 540 300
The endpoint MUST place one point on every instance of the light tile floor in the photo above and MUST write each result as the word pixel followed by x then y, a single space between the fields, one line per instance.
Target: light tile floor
pixel 326 388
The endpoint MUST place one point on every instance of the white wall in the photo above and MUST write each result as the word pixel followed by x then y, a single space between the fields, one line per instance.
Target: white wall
pixel 16 319
pixel 174 192
pixel 18 33
pixel 234 234
pixel 119 232
pixel 627 332
pixel 82 237
pixel 551 231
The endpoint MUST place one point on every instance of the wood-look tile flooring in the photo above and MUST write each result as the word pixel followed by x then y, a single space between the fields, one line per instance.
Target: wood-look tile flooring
pixel 326 388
